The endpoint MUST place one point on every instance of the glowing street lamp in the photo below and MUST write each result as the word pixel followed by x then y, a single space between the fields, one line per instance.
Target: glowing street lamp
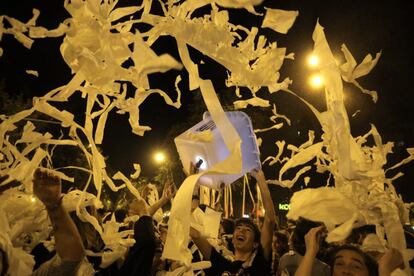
pixel 313 61
pixel 316 81
pixel 159 157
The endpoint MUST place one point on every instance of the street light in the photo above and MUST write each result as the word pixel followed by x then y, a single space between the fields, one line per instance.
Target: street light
pixel 159 157
pixel 316 81
pixel 313 61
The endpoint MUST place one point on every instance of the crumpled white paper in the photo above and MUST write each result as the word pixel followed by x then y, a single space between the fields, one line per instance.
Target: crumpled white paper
pixel 320 205
pixel 279 20
pixel 179 223
pixel 356 167
pixel 20 262
pixel 350 71
pixel 98 39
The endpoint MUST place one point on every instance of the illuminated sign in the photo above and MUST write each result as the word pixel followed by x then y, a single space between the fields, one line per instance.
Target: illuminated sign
pixel 284 206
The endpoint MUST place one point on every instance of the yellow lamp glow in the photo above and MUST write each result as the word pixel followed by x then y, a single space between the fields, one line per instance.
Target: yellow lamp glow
pixel 316 81
pixel 159 157
pixel 313 61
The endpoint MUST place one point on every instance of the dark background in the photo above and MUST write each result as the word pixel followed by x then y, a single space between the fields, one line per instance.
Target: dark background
pixel 364 26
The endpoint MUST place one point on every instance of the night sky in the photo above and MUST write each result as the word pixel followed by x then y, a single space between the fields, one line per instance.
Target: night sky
pixel 364 26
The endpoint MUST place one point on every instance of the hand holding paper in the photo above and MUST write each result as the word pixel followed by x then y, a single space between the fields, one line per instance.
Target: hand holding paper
pixel 313 240
pixel 258 175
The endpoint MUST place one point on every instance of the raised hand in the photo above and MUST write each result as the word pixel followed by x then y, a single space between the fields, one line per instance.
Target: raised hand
pixel 168 191
pixel 390 261
pixel 258 174
pixel 313 239
pixel 47 187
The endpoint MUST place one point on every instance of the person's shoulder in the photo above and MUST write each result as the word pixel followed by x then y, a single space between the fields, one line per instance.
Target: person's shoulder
pixel 291 255
pixel 290 259
pixel 288 263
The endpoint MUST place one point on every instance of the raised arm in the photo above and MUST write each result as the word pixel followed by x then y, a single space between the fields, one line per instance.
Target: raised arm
pixel 167 194
pixel 390 261
pixel 312 242
pixel 201 242
pixel 270 215
pixel 47 188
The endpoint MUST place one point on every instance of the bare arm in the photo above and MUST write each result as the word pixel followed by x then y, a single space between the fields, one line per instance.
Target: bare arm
pixel 157 205
pixel 201 242
pixel 167 194
pixel 390 261
pixel 270 215
pixel 312 241
pixel 47 188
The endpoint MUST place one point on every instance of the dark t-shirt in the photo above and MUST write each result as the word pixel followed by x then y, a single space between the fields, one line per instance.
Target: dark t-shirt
pixel 222 266
pixel 140 256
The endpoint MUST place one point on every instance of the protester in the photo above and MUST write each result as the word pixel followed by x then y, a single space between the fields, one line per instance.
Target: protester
pixel 143 256
pixel 252 248
pixel 290 261
pixel 69 247
pixel 92 242
pixel 280 247
pixel 167 194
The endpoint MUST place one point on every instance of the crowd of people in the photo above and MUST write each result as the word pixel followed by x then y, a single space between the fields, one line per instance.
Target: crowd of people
pixel 243 246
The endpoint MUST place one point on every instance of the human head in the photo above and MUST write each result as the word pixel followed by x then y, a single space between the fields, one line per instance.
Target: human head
pixel 280 243
pixel 350 260
pixel 246 235
pixel 137 206
pixel 227 226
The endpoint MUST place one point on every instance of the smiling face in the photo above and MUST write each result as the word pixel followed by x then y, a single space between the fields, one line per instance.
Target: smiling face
pixel 348 262
pixel 243 238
